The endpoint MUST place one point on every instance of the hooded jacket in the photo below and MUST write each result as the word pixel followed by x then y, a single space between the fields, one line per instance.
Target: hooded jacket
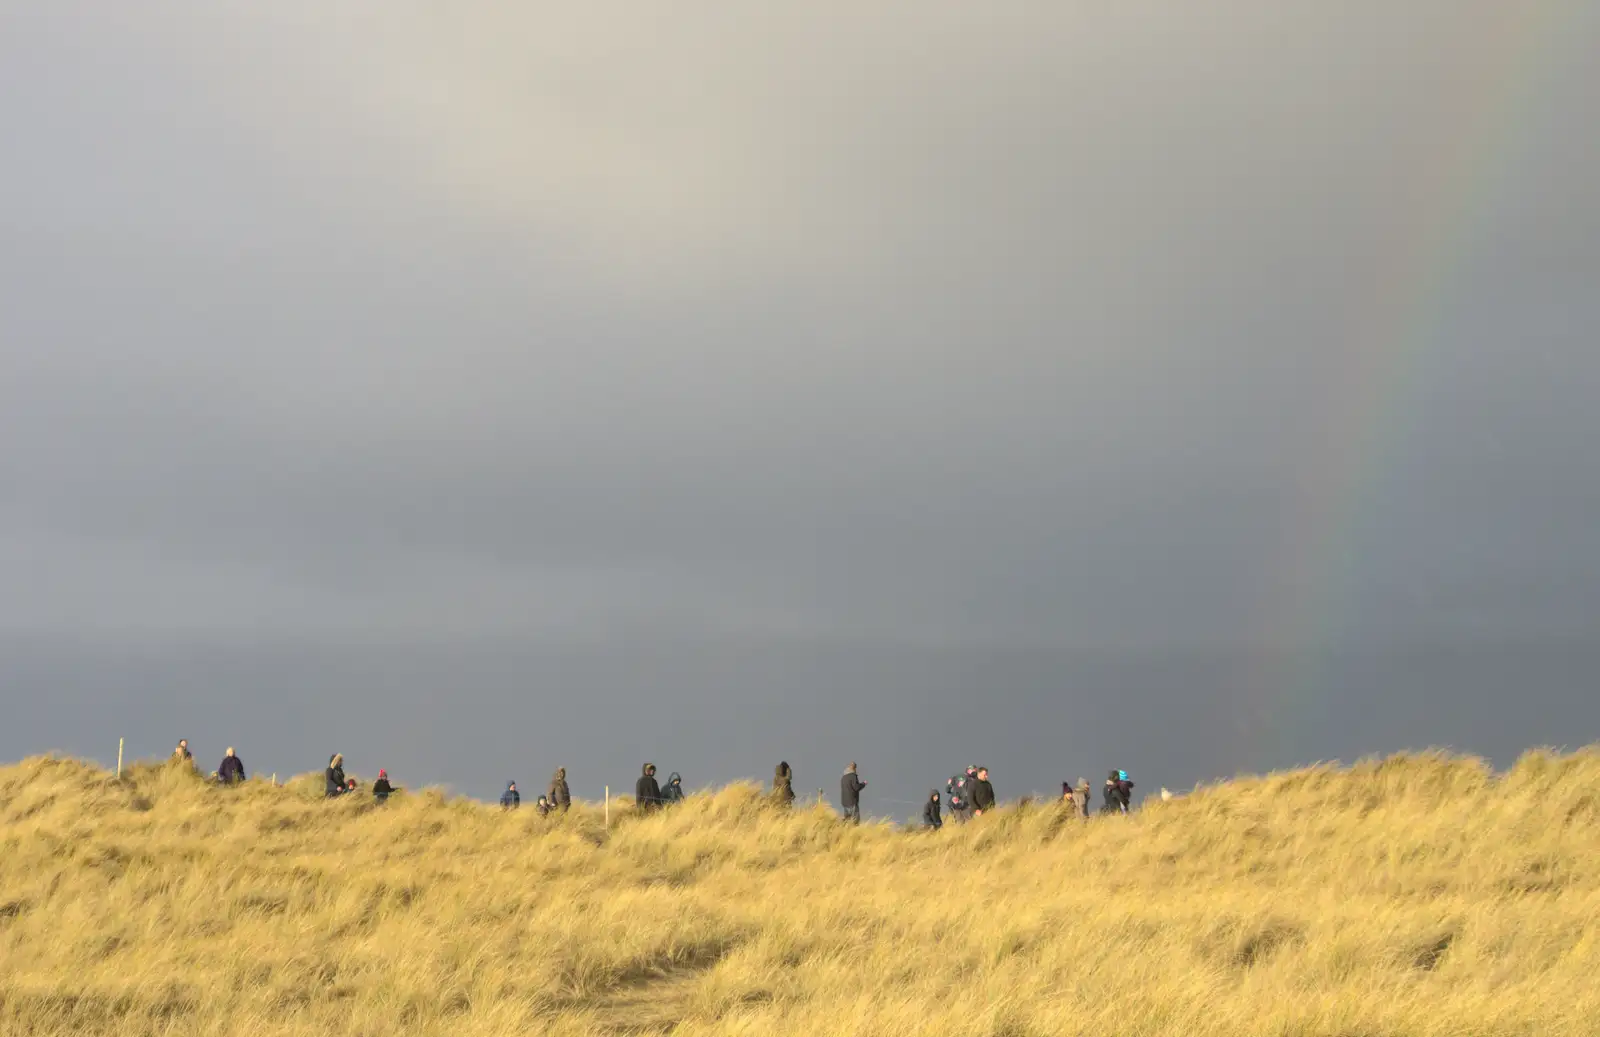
pixel 647 791
pixel 510 799
pixel 673 792
pixel 558 795
pixel 982 794
pixel 930 812
pixel 850 786
pixel 333 777
pixel 231 770
pixel 783 782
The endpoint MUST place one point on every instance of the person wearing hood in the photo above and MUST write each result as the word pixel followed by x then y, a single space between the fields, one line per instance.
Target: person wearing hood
pixel 647 791
pixel 962 811
pixel 510 799
pixel 783 784
pixel 850 786
pixel 560 796
pixel 333 778
pixel 930 812
pixel 182 753
pixel 542 805
pixel 1119 793
pixel 231 770
pixel 673 792
pixel 982 792
pixel 381 789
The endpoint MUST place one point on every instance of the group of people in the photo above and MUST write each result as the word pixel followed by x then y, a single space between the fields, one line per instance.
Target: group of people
pixel 968 795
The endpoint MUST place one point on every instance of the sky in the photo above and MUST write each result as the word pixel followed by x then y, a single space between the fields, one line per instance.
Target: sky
pixel 1191 389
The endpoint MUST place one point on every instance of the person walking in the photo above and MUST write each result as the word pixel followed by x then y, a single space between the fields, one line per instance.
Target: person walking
pixel 783 783
pixel 672 792
pixel 982 793
pixel 231 770
pixel 333 779
pixel 930 812
pixel 510 799
pixel 850 786
pixel 381 789
pixel 559 795
pixel 647 791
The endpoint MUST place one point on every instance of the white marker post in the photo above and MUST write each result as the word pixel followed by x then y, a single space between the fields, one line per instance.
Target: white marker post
pixel 119 759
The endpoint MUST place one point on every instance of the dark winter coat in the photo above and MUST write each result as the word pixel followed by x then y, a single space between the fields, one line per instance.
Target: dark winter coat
pixel 334 780
pixel 647 791
pixel 510 798
pixel 982 794
pixel 381 789
pixel 783 783
pixel 673 792
pixel 231 770
pixel 930 813
pixel 559 796
pixel 850 786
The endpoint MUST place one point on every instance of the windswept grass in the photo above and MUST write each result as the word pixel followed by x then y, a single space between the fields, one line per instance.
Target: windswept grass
pixel 1418 895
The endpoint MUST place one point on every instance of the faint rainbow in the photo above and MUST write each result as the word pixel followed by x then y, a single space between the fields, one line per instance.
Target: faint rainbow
pixel 1304 591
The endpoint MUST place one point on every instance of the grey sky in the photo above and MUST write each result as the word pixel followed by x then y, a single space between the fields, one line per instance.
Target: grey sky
pixel 1067 385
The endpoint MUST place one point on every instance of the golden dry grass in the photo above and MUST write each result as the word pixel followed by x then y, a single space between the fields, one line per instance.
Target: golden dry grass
pixel 1420 895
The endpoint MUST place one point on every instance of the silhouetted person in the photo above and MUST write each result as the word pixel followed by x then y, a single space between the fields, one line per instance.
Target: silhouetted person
pixel 646 791
pixel 930 812
pixel 850 786
pixel 182 752
pixel 673 791
pixel 333 777
pixel 982 793
pixel 381 789
pixel 560 797
pixel 510 799
pixel 231 770
pixel 783 783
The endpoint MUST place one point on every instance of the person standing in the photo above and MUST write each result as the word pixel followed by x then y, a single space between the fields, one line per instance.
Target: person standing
pixel 182 754
pixel 333 777
pixel 783 784
pixel 850 786
pixel 982 793
pixel 510 799
pixel 930 812
pixel 559 795
pixel 231 770
pixel 1084 795
pixel 381 789
pixel 673 791
pixel 647 791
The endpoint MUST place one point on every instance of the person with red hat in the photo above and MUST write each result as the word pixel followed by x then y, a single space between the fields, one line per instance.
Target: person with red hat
pixel 381 789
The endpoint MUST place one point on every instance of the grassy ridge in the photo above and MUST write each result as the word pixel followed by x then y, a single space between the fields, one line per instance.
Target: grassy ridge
pixel 1420 895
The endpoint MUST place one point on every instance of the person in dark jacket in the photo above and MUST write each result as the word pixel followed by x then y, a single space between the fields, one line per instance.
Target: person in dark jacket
pixel 673 792
pixel 982 793
pixel 962 811
pixel 542 805
pixel 333 777
pixel 231 770
pixel 930 812
pixel 1119 793
pixel 510 799
pixel 783 784
pixel 381 789
pixel 560 796
pixel 182 753
pixel 850 786
pixel 647 791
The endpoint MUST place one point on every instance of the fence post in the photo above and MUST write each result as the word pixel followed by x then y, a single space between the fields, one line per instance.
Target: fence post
pixel 119 759
pixel 608 806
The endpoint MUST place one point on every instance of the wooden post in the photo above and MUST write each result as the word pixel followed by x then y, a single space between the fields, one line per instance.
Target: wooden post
pixel 119 759
pixel 608 806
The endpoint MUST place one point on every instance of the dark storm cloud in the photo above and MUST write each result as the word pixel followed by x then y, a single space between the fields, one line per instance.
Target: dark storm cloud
pixel 915 382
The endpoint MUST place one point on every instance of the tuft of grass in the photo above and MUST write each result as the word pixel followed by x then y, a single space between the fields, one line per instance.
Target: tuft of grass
pixel 1413 896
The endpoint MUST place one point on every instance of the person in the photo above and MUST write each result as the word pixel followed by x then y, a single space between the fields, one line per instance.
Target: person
pixel 1085 796
pixel 182 753
pixel 231 770
pixel 647 791
pixel 783 784
pixel 333 777
pixel 560 797
pixel 542 805
pixel 350 786
pixel 1124 791
pixel 381 789
pixel 673 793
pixel 1068 796
pixel 960 791
pixel 510 799
pixel 850 786
pixel 1119 793
pixel 982 793
pixel 930 812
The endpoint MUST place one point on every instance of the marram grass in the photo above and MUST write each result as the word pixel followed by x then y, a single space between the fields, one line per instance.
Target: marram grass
pixel 1418 896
